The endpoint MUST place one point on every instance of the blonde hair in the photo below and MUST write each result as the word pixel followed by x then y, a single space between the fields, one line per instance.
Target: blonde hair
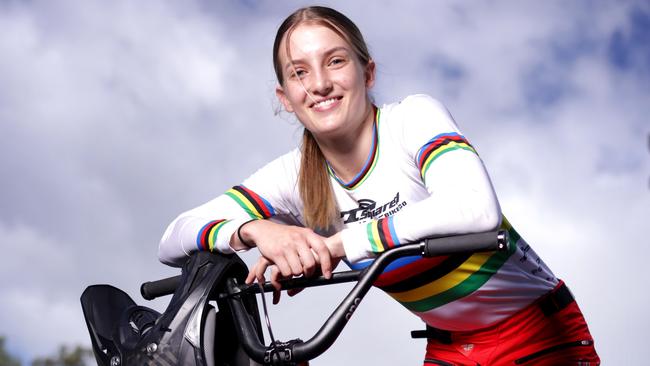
pixel 314 184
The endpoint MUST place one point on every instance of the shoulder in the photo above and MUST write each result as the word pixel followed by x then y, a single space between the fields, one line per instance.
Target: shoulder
pixel 418 111
pixel 275 182
pixel 284 166
pixel 421 105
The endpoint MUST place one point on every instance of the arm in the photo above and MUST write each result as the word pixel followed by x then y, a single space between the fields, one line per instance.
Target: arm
pixel 210 227
pixel 263 212
pixel 461 198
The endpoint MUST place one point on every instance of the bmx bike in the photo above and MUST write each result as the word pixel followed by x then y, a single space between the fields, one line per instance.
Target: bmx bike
pixel 191 331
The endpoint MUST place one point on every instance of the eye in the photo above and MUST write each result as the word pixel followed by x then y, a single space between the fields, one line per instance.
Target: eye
pixel 336 61
pixel 298 73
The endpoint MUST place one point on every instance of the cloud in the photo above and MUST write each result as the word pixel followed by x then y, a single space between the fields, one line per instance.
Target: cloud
pixel 115 117
pixel 623 48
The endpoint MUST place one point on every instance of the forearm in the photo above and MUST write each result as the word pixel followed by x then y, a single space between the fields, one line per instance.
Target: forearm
pixel 461 200
pixel 244 237
pixel 188 234
pixel 335 245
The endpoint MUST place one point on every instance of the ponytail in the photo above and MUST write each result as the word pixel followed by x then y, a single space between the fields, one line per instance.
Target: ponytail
pixel 320 209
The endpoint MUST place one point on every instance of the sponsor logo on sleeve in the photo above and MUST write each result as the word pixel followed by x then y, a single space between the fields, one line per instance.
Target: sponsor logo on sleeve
pixel 368 209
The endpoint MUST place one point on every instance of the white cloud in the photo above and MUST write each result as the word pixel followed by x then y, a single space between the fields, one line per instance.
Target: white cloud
pixel 114 117
pixel 35 319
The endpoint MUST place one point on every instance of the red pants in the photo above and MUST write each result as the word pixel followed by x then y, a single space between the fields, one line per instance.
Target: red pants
pixel 527 338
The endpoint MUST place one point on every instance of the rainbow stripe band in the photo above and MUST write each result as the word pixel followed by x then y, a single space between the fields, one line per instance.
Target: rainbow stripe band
pixel 369 164
pixel 453 278
pixel 255 205
pixel 381 234
pixel 439 145
pixel 207 237
pixel 435 272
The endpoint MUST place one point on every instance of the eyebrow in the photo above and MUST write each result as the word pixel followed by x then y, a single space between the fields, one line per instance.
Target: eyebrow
pixel 327 53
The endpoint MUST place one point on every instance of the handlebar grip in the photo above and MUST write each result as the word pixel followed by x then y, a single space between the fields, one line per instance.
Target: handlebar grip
pixel 154 289
pixel 479 242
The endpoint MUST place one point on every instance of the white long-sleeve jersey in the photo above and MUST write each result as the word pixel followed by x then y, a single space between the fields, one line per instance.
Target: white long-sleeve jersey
pixel 422 178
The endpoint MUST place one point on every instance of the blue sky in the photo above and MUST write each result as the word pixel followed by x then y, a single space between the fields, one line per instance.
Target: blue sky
pixel 116 116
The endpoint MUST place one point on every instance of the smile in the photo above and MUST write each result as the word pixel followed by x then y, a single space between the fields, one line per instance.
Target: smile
pixel 326 103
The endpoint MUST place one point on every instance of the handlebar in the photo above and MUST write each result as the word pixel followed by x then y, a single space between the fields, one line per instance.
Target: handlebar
pixel 446 245
pixel 158 288
pixel 331 329
pixel 297 351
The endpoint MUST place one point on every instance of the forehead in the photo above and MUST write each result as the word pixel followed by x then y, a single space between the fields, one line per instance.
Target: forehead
pixel 311 39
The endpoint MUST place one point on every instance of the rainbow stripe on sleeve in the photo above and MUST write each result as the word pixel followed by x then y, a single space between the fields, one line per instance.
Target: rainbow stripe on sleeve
pixel 381 234
pixel 255 205
pixel 207 237
pixel 439 145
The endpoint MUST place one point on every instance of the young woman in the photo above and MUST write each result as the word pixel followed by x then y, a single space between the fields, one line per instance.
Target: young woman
pixel 369 178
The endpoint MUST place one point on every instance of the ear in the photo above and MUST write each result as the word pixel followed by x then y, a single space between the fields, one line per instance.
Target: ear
pixel 279 92
pixel 370 74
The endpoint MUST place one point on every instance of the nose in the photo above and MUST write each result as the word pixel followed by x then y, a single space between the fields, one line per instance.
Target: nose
pixel 321 83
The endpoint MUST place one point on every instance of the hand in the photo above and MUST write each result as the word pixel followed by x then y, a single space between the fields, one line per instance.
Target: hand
pixel 294 250
pixel 257 273
pixel 259 269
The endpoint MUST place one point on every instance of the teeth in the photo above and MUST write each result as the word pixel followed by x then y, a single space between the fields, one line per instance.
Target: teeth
pixel 326 102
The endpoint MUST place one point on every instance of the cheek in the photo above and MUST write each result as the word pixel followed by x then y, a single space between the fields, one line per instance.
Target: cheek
pixel 354 81
pixel 294 96
pixel 356 85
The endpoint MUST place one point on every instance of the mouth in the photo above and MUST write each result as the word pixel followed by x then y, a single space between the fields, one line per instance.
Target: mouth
pixel 324 104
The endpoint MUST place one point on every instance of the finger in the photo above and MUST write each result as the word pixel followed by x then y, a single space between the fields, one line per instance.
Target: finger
pixel 275 281
pixel 282 264
pixel 259 276
pixel 250 277
pixel 294 263
pixel 324 257
pixel 294 291
pixel 260 268
pixel 308 261
pixel 254 271
pixel 276 297
pixel 275 278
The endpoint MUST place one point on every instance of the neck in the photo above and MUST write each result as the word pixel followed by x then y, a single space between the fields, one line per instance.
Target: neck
pixel 348 153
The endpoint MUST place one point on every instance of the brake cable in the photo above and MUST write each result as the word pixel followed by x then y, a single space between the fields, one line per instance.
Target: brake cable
pixel 278 353
pixel 266 312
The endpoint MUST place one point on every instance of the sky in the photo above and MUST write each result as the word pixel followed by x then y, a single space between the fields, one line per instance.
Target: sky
pixel 115 116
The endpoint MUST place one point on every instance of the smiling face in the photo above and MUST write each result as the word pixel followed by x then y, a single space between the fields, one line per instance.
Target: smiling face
pixel 324 83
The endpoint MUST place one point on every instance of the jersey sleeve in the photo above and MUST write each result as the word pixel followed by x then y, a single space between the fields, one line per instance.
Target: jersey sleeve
pixel 461 197
pixel 264 195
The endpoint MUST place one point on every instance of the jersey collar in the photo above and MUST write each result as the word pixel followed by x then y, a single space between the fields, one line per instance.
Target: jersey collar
pixel 370 163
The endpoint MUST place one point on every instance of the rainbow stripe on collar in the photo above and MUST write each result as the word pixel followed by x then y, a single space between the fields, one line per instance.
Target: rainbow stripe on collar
pixel 368 166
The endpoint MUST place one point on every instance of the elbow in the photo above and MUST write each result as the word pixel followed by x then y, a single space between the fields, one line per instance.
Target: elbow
pixel 164 254
pixel 490 215
pixel 168 257
pixel 480 212
pixel 168 248
pixel 491 220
